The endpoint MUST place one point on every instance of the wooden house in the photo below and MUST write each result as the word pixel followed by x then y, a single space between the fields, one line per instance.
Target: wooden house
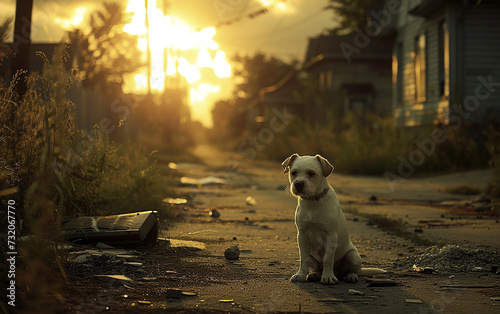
pixel 446 61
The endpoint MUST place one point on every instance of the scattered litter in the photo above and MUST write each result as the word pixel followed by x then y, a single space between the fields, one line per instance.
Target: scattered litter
pixel 189 294
pixel 172 165
pixel 117 277
pixel 226 301
pixel 232 252
pixel 423 270
pixel 356 292
pixel 413 301
pixel 133 264
pixel 140 302
pixel 175 201
pixel 132 228
pixel 452 258
pixel 380 282
pixel 251 201
pixel 207 181
pixel 214 213
pixel 188 245
pixel 173 293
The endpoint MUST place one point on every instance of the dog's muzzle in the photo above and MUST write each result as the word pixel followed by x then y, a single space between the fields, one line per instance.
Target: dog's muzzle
pixel 299 186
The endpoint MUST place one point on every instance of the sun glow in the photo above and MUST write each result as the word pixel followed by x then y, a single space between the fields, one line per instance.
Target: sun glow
pixel 176 49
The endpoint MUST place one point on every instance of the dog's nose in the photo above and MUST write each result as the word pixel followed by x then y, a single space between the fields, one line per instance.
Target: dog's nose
pixel 299 185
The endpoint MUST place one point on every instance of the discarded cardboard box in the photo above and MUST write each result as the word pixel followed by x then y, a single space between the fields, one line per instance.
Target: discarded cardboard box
pixel 131 228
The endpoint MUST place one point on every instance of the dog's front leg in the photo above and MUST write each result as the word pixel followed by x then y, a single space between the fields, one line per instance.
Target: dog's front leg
pixel 305 257
pixel 328 276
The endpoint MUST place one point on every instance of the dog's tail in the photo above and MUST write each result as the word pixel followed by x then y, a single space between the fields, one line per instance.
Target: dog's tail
pixel 371 271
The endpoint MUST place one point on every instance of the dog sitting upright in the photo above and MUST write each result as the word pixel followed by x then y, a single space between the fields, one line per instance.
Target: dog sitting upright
pixel 326 251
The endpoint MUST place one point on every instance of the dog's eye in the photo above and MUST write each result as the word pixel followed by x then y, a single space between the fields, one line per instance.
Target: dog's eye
pixel 311 174
pixel 293 173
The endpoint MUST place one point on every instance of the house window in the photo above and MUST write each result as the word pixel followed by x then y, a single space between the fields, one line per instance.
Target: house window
pixel 444 61
pixel 420 68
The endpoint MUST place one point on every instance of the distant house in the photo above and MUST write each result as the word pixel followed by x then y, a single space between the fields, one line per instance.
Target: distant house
pixel 447 54
pixel 332 83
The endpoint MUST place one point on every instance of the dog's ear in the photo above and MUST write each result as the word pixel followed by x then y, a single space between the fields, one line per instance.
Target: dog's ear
pixel 288 162
pixel 325 165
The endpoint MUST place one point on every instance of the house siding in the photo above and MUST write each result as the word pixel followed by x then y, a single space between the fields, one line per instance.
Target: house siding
pixel 408 111
pixel 474 51
pixel 481 57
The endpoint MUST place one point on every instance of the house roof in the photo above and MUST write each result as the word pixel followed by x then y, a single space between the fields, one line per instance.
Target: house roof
pixel 329 47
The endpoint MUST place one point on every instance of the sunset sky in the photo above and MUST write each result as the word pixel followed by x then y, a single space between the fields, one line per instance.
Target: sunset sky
pixel 282 31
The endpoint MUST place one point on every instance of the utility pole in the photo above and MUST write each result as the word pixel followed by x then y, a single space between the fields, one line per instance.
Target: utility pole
pixel 148 50
pixel 22 44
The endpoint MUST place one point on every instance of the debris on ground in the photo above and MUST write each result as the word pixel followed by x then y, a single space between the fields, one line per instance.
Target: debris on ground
pixel 206 181
pixel 232 252
pixel 117 277
pixel 452 258
pixel 173 294
pixel 214 213
pixel 131 228
pixel 187 245
pixel 251 201
pixel 356 292
pixel 175 201
pixel 413 301
pixel 423 270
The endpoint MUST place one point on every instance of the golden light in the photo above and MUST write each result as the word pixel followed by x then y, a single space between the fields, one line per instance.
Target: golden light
pixel 76 19
pixel 185 50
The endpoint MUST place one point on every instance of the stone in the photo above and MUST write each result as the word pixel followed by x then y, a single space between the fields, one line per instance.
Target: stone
pixel 251 201
pixel 214 213
pixel 356 292
pixel 232 252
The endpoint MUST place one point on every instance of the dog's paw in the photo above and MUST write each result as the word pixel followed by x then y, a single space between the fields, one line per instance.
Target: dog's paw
pixel 298 277
pixel 352 277
pixel 313 277
pixel 329 279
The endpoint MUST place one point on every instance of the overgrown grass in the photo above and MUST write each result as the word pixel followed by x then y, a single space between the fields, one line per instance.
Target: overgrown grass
pixel 374 145
pixel 49 183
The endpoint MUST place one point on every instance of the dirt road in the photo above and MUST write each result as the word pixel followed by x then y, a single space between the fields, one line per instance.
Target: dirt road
pixel 263 229
pixel 266 236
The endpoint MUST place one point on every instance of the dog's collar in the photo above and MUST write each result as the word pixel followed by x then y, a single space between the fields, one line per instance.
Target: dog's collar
pixel 316 197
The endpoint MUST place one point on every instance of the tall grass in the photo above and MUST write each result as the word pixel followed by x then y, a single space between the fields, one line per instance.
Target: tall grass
pixel 372 145
pixel 36 132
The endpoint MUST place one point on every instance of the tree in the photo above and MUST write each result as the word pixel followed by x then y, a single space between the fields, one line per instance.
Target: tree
pixel 106 53
pixel 258 71
pixel 352 14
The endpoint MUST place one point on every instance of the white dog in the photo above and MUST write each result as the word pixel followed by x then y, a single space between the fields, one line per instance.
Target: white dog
pixel 326 251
